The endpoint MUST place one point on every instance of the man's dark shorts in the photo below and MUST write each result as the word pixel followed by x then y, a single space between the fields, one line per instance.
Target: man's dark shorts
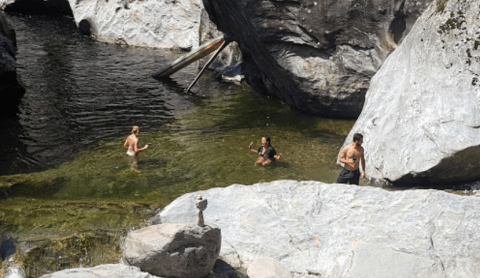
pixel 347 176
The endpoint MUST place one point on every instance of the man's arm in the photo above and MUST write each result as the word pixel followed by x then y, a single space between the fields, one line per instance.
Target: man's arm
pixel 343 156
pixel 362 159
pixel 126 143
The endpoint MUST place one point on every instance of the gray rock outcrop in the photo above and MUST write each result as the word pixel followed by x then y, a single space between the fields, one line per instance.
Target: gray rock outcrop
pixel 102 271
pixel 318 56
pixel 182 250
pixel 420 120
pixel 267 268
pixel 161 24
pixel 334 230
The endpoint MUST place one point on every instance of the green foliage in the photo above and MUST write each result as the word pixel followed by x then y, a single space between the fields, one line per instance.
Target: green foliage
pixel 441 5
pixel 452 23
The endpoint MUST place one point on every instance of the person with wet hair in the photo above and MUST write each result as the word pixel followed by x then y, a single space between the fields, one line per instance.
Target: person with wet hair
pixel 350 156
pixel 132 143
pixel 266 153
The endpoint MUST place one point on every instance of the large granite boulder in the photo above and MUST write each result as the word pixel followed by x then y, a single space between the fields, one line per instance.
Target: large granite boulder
pixel 420 120
pixel 182 250
pixel 317 55
pixel 102 271
pixel 338 230
pixel 162 24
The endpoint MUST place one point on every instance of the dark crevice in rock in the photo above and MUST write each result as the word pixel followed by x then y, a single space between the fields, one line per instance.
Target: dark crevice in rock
pixel 40 7
pixel 449 173
pixel 398 25
pixel 11 88
pixel 84 27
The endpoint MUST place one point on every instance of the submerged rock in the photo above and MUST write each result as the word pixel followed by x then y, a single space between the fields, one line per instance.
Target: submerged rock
pixel 183 250
pixel 15 271
pixel 318 56
pixel 420 120
pixel 334 230
pixel 102 271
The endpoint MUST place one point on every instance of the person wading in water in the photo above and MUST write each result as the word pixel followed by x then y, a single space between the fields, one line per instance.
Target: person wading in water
pixel 132 143
pixel 350 156
pixel 266 153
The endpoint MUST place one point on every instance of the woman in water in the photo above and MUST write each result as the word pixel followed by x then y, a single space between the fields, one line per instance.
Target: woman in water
pixel 132 144
pixel 266 153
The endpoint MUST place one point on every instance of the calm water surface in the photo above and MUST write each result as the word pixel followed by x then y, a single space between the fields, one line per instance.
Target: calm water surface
pixel 80 91
pixel 65 180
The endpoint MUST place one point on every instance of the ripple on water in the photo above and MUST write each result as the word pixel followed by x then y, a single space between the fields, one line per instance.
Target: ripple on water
pixel 79 92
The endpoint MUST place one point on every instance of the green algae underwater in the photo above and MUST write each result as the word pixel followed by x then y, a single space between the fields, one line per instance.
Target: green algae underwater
pixel 76 214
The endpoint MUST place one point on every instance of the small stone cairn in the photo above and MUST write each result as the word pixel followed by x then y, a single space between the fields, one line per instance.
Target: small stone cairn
pixel 183 250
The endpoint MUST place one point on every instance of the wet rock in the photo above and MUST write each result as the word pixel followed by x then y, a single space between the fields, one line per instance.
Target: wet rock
pixel 102 271
pixel 316 229
pixel 420 120
pixel 318 56
pixel 183 250
pixel 10 88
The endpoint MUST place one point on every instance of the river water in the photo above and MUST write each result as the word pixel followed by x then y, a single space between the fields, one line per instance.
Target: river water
pixel 69 193
pixel 79 92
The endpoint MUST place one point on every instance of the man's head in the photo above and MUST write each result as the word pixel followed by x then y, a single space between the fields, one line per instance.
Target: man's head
pixel 358 138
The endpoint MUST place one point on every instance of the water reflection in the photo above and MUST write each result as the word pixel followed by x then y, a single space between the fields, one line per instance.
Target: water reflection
pixel 80 91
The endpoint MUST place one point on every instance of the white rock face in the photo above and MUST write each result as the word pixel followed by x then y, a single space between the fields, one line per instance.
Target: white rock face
pixel 102 271
pixel 182 250
pixel 421 118
pixel 334 230
pixel 267 268
pixel 151 23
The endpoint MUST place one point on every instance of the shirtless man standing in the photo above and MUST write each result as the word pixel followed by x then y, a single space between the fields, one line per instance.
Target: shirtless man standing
pixel 132 144
pixel 350 157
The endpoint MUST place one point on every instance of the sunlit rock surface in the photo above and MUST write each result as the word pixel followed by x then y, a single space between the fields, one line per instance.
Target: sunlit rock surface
pixel 162 24
pixel 334 230
pixel 328 50
pixel 102 271
pixel 183 250
pixel 421 120
pixel 267 268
